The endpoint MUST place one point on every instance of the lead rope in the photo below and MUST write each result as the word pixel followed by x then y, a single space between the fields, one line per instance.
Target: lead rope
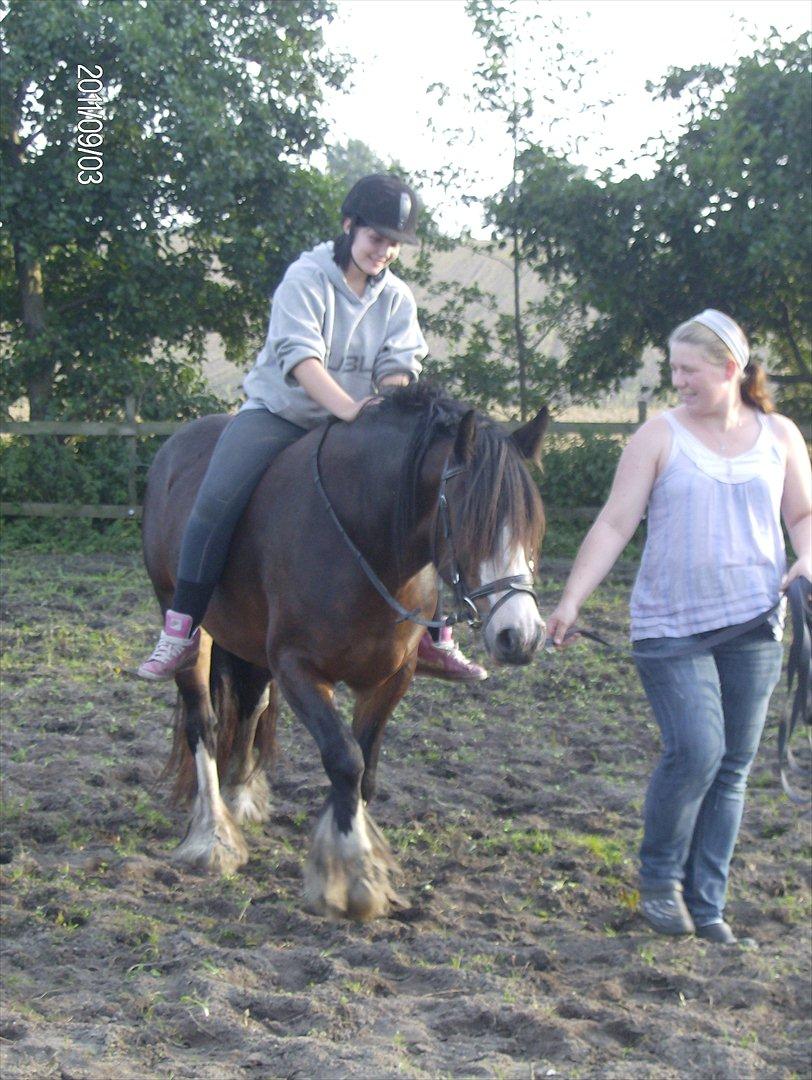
pixel 799 704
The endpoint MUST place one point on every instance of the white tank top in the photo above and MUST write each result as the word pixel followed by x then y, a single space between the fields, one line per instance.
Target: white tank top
pixel 714 553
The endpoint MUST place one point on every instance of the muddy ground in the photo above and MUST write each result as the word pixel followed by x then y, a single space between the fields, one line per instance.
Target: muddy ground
pixel 514 810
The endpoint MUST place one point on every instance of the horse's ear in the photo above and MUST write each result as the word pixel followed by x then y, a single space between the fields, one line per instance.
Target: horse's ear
pixel 528 438
pixel 466 439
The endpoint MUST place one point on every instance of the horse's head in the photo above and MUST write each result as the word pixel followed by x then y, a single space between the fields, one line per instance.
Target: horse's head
pixel 497 522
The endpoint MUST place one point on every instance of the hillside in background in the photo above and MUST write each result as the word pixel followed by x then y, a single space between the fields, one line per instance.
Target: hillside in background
pixel 491 271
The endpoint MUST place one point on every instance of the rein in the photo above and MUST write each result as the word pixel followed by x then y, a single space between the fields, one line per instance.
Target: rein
pixel 692 648
pixel 464 598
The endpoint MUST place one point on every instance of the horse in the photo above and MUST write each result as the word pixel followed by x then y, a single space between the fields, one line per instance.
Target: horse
pixel 331 577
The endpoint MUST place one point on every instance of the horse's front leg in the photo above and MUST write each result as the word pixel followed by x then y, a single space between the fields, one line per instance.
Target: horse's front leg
pixel 213 839
pixel 372 709
pixel 347 874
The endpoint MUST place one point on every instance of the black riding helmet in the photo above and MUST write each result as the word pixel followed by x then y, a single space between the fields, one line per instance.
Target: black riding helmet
pixel 386 204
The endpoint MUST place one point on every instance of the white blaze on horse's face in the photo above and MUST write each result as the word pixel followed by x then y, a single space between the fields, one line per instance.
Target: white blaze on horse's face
pixel 514 632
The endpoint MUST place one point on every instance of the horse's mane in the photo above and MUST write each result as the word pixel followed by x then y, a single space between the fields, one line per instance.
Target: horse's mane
pixel 498 490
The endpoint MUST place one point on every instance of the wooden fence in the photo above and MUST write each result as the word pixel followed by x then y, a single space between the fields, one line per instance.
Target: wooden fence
pixel 131 429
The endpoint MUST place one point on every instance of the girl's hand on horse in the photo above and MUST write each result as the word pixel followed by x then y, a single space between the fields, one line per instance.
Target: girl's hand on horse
pixel 351 411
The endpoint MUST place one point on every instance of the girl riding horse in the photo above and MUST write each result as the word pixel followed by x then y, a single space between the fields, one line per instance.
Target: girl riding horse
pixel 417 487
pixel 343 327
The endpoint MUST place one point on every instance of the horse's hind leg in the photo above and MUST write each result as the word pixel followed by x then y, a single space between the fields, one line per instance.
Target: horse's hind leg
pixel 213 840
pixel 347 874
pixel 245 783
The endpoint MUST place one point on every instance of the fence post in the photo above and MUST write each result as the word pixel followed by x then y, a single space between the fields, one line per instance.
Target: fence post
pixel 132 455
pixel 642 411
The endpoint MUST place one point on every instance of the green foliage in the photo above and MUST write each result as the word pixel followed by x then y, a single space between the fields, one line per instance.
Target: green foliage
pixel 210 112
pixel 46 469
pixel 77 470
pixel 577 470
pixel 480 360
pixel 349 162
pixel 84 536
pixel 724 222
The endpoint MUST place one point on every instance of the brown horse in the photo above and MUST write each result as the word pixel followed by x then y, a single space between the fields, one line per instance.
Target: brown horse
pixel 420 486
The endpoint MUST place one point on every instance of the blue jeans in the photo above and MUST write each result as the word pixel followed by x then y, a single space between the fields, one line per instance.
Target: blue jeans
pixel 711 709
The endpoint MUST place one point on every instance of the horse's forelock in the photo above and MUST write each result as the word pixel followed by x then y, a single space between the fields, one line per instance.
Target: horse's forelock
pixel 498 493
pixel 500 498
pixel 431 416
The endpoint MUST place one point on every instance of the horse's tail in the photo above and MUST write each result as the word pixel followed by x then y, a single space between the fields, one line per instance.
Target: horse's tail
pixel 234 698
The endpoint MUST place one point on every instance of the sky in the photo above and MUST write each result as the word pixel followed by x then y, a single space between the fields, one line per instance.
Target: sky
pixel 401 47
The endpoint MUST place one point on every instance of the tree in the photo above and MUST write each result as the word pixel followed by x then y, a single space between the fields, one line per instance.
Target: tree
pixel 349 161
pixel 530 79
pixel 204 114
pixel 724 222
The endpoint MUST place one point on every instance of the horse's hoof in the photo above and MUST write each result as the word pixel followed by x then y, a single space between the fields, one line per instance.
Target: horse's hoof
pixel 218 850
pixel 361 900
pixel 347 876
pixel 372 899
pixel 250 801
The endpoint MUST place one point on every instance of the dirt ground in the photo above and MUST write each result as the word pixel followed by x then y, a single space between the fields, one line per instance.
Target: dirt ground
pixel 513 808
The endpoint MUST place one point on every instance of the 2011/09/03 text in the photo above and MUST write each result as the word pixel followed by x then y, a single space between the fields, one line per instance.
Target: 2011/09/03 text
pixel 90 127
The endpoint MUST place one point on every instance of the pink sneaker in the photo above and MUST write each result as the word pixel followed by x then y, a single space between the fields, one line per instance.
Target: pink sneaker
pixel 444 660
pixel 176 648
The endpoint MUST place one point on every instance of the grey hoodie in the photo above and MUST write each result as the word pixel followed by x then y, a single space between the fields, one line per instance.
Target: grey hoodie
pixel 359 340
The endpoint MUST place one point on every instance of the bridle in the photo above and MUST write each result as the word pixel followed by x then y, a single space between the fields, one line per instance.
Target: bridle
pixel 465 609
pixel 464 598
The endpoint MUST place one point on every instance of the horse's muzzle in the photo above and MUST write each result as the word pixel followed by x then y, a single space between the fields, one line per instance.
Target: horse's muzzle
pixel 511 646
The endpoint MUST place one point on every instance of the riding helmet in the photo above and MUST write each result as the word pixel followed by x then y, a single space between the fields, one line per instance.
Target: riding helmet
pixel 386 204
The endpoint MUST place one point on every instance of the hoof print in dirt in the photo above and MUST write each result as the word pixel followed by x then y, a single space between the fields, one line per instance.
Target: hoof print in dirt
pixel 134 868
pixel 13 1030
pixel 410 913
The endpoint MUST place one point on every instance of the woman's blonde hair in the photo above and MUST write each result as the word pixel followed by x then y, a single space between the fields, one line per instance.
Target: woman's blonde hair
pixel 753 386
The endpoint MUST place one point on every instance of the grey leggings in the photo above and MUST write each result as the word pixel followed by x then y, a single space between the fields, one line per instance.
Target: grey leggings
pixel 247 446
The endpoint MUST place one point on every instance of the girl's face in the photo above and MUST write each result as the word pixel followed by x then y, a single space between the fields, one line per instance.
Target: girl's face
pixel 701 385
pixel 372 252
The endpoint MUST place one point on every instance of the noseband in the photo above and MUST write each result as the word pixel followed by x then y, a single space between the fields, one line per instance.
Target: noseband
pixel 464 598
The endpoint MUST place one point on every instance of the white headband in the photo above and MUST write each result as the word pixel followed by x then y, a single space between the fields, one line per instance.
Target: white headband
pixel 728 331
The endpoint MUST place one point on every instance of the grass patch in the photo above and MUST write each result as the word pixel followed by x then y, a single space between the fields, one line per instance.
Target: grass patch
pixel 607 851
pixel 520 841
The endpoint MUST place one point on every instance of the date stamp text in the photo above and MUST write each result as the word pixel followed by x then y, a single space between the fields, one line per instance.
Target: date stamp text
pixel 90 124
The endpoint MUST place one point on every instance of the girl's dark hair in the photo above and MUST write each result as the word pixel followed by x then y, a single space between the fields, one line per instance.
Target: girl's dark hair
pixel 342 245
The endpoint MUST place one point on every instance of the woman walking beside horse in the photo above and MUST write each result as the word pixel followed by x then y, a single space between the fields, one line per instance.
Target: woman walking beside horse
pixel 715 476
pixel 343 327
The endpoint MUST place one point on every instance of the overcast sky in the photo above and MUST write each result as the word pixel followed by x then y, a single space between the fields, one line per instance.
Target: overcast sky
pixel 402 46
